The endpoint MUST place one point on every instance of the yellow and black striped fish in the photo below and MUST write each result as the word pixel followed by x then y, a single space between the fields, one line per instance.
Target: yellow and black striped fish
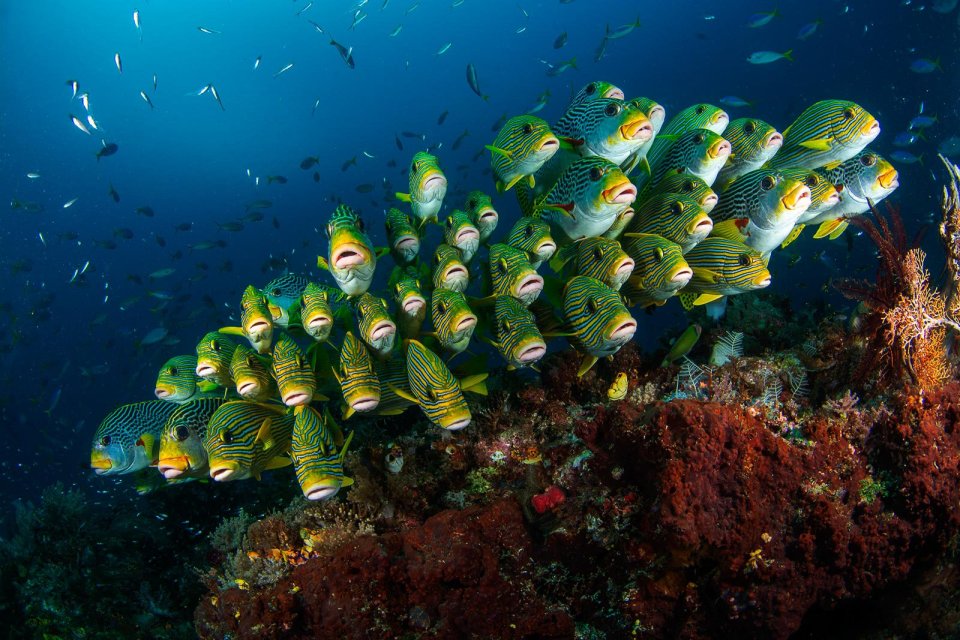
pixel 722 267
pixel 597 318
pixel 178 381
pixel 533 236
pixel 825 134
pixel 659 272
pixel 251 375
pixel 676 217
pixel 181 453
pixel 522 146
pixel 438 393
pixel 294 375
pixel 214 352
pixel 358 380
pixel 246 438
pixel 128 439
pixel 318 465
pixel 511 274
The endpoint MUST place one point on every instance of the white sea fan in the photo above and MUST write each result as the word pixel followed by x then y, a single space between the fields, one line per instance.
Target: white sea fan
pixel 728 346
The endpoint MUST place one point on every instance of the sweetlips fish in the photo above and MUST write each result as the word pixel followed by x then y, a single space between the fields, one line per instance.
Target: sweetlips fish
pixel 676 217
pixel 533 236
pixel 597 319
pixel 316 311
pixel 438 393
pixel 402 236
pixel 752 143
pixel 244 439
pixel 358 380
pixel 411 303
pixel 515 333
pixel 685 184
pixel 128 439
pixel 377 328
pixel 722 267
pixel 867 177
pixel 392 374
pixel 251 375
pixel 484 217
pixel 294 375
pixel 181 453
pixel 700 152
pixel 256 320
pixel 660 270
pixel 453 320
pixel 283 297
pixel 605 127
pixel 523 145
pixel 511 274
pixel 697 116
pixel 587 198
pixel 317 463
pixel 449 272
pixel 760 209
pixel 595 90
pixel 428 186
pixel 598 258
pixel 178 381
pixel 459 232
pixel 620 223
pixel 352 259
pixel 214 352
pixel 825 134
pixel 823 197
pixel 656 114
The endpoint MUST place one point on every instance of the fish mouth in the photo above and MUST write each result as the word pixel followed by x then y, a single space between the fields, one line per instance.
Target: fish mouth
pixel 366 403
pixel 486 214
pixel 615 93
pixel 702 225
pixel 774 141
pixel 247 388
pixel 722 118
pixel 532 353
pixel 797 197
pixel 467 234
pixel 435 181
pixel 321 492
pixel 550 144
pixel 101 465
pixel 546 249
pixel 407 243
pixel 414 305
pixel 383 330
pixel 348 255
pixel 319 322
pixel 162 393
pixel 295 398
pixel 889 179
pixel 832 199
pixel 456 271
pixel 871 129
pixel 761 281
pixel 624 330
pixel 720 149
pixel 640 130
pixel 682 276
pixel 468 322
pixel 456 425
pixel 625 268
pixel 657 113
pixel 222 472
pixel 710 202
pixel 623 193
pixel 205 370
pixel 257 326
pixel 530 285
pixel 170 469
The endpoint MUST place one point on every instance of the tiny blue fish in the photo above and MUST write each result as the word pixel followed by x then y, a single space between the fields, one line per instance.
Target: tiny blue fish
pixel 808 29
pixel 734 101
pixel 906 139
pixel 906 157
pixel 925 65
pixel 760 19
pixel 923 122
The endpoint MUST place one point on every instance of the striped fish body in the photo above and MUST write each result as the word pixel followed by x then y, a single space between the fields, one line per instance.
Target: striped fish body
pixel 377 329
pixel 316 310
pixel 251 375
pixel 214 352
pixel 753 143
pixel 826 133
pixel 392 375
pixel 823 194
pixel 533 236
pixel 724 267
pixel 596 90
pixel 177 381
pixel 675 217
pixel 765 205
pixel 453 320
pixel 402 236
pixel 685 184
pixel 317 463
pixel 428 187
pixel 598 258
pixel 512 274
pixel 283 294
pixel 460 233
pixel 587 198
pixel 530 196
pixel 256 319
pixel 517 337
pixel 358 379
pixel 181 452
pixel 596 316
pixel 351 258
pixel 656 115
pixel 697 116
pixel 482 214
pixel 411 304
pixel 449 272
pixel 436 390
pixel 864 178
pixel 294 375
pixel 660 270
pixel 620 223
pixel 128 439
pixel 700 152
pixel 246 438
pixel 522 146
pixel 605 127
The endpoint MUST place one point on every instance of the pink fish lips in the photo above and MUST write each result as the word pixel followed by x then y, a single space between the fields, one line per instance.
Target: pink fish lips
pixel 623 193
pixel 682 276
pixel 530 287
pixel 318 322
pixel 247 388
pixel 408 243
pixel 532 353
pixel 435 181
pixel 383 330
pixel 624 332
pixel 365 403
pixel 321 491
pixel 295 398
pixel 161 393
pixel 221 473
pixel 168 469
pixel 467 234
pixel 775 141
pixel 414 305
pixel 348 256
pixel 205 370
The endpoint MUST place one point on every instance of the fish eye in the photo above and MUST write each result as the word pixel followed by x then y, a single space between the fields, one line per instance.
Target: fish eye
pixel 848 113
pixel 612 109
pixel 226 437
pixel 472 204
pixel 699 138
pixel 744 260
pixel 812 180
pixel 173 371
pixel 591 89
pixel 700 109
pixel 215 345
pixel 592 306
pixel 449 223
pixel 676 208
pixel 276 292
pixel 105 441
pixel 868 160
pixel 528 128
pixel 431 394
pixel 658 254
pixel 252 361
pixel 300 362
pixel 181 433
pixel 596 173
pixel 441 308
pixel 750 127
pixel 768 182
pixel 528 231
pixel 597 254
pixel 389 226
pixel 413 167
pixel 688 186
pixel 502 266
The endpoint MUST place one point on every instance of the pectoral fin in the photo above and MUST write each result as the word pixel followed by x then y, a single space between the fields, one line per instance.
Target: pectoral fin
pixel 586 364
pixel 829 227
pixel 403 197
pixel 263 435
pixel 794 234
pixel 820 144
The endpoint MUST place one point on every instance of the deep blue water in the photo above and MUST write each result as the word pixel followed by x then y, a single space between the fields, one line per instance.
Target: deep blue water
pixel 188 160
